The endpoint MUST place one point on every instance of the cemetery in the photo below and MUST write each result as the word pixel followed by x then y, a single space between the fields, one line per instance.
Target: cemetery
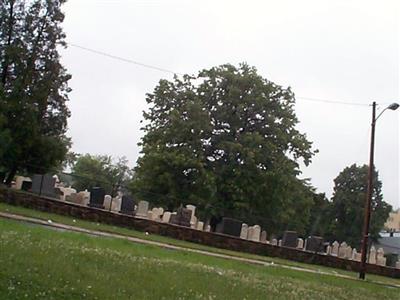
pixel 47 193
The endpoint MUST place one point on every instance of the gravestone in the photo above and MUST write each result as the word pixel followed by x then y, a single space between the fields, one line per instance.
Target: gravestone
pixel 314 244
pixel 182 217
pixel 243 231
pixel 127 205
pixel 208 228
pixel 83 198
pixel 142 209
pixel 274 242
pixel 372 256
pixel 349 252
pixel 329 250
pixel 280 243
pixel 342 250
pixel 335 248
pixel 300 244
pixel 20 181
pixel 200 225
pixel 229 226
pixel 256 232
pixel 157 213
pixel 66 191
pixel 107 202
pixel 193 221
pixel 398 264
pixel 289 239
pixel 97 197
pixel 192 208
pixel 380 258
pixel 166 217
pixel 263 237
pixel 44 185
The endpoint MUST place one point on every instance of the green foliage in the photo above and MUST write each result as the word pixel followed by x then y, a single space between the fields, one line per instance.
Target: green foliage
pixel 33 86
pixel 100 170
pixel 348 202
pixel 225 140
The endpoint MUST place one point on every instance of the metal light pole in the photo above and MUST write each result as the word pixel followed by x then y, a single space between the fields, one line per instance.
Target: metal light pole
pixel 367 208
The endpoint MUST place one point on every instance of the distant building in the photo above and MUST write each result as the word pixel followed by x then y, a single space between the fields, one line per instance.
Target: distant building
pixel 393 222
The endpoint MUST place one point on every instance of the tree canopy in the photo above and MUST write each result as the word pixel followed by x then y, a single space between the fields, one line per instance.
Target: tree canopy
pixel 347 207
pixel 100 170
pixel 33 86
pixel 226 140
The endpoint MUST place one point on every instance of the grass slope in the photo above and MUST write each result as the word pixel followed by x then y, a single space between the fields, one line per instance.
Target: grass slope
pixel 40 263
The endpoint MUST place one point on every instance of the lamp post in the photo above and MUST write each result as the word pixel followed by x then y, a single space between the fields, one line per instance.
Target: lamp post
pixel 367 208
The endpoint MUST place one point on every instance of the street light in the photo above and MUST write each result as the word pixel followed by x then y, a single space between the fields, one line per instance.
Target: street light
pixel 367 208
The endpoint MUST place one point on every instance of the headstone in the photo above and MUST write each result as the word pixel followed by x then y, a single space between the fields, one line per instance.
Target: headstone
pixel 193 221
pixel 192 208
pixel 380 258
pixel 300 244
pixel 353 254
pixel 229 226
pixel 263 237
pixel 335 248
pixel 44 185
pixel 398 264
pixel 274 242
pixel 182 217
pixel 280 243
pixel 200 225
pixel 372 256
pixel 66 191
pixel 107 202
pixel 127 205
pixel 243 231
pixel 150 215
pixel 157 213
pixel 142 209
pixel 314 244
pixel 329 250
pixel 342 250
pixel 97 197
pixel 256 233
pixel 19 182
pixel 208 228
pixel 166 216
pixel 289 239
pixel 349 252
pixel 116 203
pixel 83 198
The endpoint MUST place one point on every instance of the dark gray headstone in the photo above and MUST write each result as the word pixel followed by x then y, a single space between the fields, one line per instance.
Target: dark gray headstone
pixel 44 185
pixel 127 205
pixel 36 183
pixel 229 226
pixel 97 197
pixel 182 217
pixel 315 244
pixel 289 239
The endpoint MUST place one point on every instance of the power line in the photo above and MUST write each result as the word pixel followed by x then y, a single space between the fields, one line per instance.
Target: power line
pixel 127 60
pixel 124 59
pixel 331 101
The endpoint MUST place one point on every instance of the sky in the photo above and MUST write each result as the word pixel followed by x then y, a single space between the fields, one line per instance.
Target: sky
pixel 341 51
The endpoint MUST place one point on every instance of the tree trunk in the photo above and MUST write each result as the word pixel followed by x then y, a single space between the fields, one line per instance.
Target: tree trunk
pixel 10 32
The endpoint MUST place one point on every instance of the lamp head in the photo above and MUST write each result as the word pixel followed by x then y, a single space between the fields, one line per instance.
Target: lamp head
pixel 393 106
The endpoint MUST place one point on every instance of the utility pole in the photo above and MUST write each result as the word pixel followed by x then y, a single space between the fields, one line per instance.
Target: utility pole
pixel 367 208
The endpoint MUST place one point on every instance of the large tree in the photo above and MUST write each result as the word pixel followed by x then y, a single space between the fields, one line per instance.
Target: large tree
pixel 225 140
pixel 33 86
pixel 347 208
pixel 100 170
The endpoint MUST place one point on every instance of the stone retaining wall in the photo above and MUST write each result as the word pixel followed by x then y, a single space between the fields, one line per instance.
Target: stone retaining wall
pixel 184 233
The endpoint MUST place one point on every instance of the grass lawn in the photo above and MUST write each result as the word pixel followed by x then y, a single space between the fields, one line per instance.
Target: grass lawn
pixel 41 263
pixel 129 232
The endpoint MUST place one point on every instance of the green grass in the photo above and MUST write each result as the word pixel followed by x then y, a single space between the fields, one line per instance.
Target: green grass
pixel 41 263
pixel 129 232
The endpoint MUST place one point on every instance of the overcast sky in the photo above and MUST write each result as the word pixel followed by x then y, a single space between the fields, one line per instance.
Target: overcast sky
pixel 346 51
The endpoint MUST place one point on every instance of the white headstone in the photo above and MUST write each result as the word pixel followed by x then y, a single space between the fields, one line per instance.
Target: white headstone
pixel 193 222
pixel 380 258
pixel 263 237
pixel 300 244
pixel 166 216
pixel 349 252
pixel 256 233
pixel 107 202
pixel 398 264
pixel 19 180
pixel 274 242
pixel 372 256
pixel 150 215
pixel 157 213
pixel 116 203
pixel 67 191
pixel 243 231
pixel 335 248
pixel 329 250
pixel 143 207
pixel 200 225
pixel 192 208
pixel 208 228
pixel 342 250
pixel 280 243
